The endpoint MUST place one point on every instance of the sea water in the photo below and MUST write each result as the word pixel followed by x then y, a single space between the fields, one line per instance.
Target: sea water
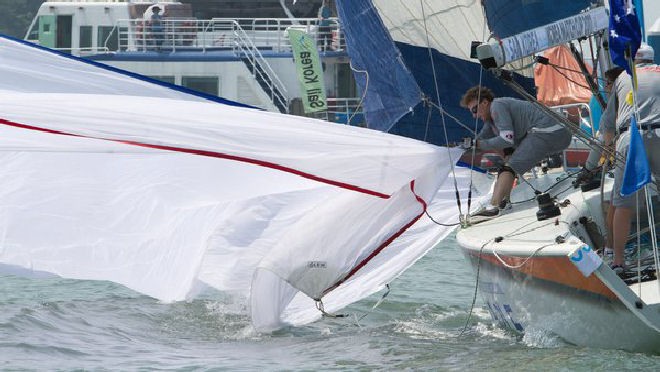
pixel 423 324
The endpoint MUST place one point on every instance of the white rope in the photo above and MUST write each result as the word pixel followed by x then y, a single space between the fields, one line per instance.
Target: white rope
pixel 476 119
pixel 526 259
pixel 364 94
pixel 444 124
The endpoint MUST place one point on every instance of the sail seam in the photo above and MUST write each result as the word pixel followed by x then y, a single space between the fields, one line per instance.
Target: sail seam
pixel 206 153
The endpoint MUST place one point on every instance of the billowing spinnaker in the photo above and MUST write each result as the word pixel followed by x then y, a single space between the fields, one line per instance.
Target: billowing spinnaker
pixel 160 192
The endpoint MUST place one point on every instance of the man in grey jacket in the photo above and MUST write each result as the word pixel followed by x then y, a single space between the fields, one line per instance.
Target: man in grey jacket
pixel 519 128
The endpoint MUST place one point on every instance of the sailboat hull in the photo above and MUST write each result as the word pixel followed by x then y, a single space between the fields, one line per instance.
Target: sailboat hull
pixel 529 285
pixel 582 311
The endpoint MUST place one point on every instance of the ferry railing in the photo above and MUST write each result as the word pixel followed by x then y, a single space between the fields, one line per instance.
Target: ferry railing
pixel 343 111
pixel 260 68
pixel 272 32
pixel 195 34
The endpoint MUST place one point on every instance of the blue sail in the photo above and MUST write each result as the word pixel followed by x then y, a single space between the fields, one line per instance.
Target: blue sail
pixel 392 91
pixel 454 77
pixel 510 17
pixel 405 66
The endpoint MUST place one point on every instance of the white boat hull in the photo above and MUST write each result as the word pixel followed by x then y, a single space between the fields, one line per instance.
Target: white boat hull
pixel 529 284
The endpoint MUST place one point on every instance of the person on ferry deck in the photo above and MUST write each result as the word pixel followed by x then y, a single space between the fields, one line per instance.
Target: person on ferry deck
pixel 614 124
pixel 510 124
pixel 157 27
pixel 324 32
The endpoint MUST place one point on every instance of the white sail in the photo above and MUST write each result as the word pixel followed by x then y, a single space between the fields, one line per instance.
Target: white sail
pixel 106 177
pixel 447 26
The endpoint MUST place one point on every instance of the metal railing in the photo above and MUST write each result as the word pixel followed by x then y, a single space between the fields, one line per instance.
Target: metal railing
pixel 259 66
pixel 343 111
pixel 202 35
pixel 579 114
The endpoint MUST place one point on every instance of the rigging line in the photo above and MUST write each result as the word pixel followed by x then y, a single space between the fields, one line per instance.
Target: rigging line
pixel 382 299
pixel 442 116
pixel 577 132
pixel 654 237
pixel 204 153
pixel 464 126
pixel 428 120
pixel 519 231
pixel 560 67
pixel 476 288
pixel 593 87
pixel 639 246
pixel 649 204
pixel 559 180
pixel 568 78
pixel 476 119
pixel 320 307
pixel 441 224
pixel 364 94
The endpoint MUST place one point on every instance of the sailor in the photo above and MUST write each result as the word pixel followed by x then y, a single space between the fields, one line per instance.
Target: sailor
pixel 614 124
pixel 324 31
pixel 510 124
pixel 157 27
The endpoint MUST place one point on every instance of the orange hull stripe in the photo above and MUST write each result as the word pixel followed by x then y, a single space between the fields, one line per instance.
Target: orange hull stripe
pixel 553 269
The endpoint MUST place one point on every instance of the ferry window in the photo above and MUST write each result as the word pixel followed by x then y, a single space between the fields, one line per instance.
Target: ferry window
pixel 108 38
pixel 204 84
pixel 166 79
pixel 85 37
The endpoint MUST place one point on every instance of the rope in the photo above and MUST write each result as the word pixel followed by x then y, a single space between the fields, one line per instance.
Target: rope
pixel 382 298
pixel 320 307
pixel 441 224
pixel 476 119
pixel 575 131
pixel 476 289
pixel 649 204
pixel 526 259
pixel 364 94
pixel 444 124
pixel 440 109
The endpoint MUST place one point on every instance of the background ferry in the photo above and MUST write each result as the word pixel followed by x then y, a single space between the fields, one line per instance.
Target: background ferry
pixel 248 60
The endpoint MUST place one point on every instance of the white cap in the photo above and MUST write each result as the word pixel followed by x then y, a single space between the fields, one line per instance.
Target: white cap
pixel 645 53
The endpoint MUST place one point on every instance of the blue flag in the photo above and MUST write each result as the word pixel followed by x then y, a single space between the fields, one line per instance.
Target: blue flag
pixel 637 172
pixel 625 32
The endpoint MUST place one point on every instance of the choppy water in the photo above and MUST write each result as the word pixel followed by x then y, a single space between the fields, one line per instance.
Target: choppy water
pixel 57 324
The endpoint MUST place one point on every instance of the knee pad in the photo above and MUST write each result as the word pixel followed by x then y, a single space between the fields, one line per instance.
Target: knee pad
pixel 506 168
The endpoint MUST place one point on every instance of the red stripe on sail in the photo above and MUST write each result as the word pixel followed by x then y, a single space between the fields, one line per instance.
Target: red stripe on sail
pixel 207 153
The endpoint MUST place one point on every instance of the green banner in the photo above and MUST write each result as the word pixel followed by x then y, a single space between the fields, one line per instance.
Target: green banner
pixel 309 71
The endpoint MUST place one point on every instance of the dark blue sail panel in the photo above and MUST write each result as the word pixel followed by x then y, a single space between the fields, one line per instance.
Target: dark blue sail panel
pixel 510 17
pixel 454 77
pixel 391 89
